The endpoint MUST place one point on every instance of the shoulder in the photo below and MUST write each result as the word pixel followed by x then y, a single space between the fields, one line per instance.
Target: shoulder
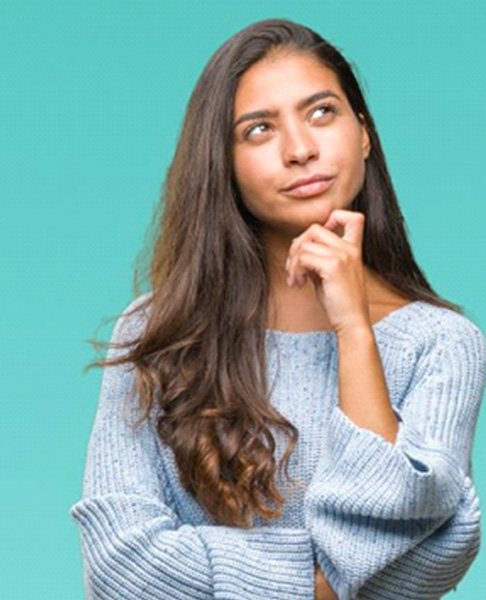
pixel 421 333
pixel 446 339
pixel 140 302
pixel 422 323
pixel 133 317
pixel 436 325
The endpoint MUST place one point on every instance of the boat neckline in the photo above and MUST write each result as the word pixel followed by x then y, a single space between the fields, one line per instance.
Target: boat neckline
pixel 382 323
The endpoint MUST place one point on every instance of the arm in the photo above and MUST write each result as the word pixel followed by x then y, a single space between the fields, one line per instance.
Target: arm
pixel 135 547
pixel 372 501
pixel 361 376
pixel 437 565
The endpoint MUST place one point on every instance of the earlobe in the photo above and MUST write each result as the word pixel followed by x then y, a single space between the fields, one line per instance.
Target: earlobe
pixel 366 145
pixel 367 148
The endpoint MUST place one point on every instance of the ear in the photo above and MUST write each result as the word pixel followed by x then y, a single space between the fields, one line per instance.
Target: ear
pixel 365 143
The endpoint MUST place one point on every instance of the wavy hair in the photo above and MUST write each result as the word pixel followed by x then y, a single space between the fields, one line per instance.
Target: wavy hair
pixel 200 358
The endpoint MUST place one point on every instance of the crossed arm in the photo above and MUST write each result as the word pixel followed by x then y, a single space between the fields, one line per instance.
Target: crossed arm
pixel 134 543
pixel 360 375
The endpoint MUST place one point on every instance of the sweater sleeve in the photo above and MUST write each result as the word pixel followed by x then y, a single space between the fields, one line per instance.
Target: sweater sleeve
pixel 372 501
pixel 436 565
pixel 134 545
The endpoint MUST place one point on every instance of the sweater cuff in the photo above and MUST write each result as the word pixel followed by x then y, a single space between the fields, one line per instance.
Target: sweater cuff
pixel 414 468
pixel 342 589
pixel 260 564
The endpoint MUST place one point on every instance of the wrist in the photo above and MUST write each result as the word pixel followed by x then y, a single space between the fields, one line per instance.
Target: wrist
pixel 355 333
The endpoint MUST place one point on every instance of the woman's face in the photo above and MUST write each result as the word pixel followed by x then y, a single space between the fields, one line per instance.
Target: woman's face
pixel 322 137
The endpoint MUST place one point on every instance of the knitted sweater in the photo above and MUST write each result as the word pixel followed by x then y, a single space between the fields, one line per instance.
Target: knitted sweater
pixel 384 520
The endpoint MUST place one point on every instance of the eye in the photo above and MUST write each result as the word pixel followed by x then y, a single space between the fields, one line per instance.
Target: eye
pixel 254 126
pixel 327 107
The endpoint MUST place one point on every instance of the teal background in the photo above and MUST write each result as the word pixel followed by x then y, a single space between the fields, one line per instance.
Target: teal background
pixel 92 96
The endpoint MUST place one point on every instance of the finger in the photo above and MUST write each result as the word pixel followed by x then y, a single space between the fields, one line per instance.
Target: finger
pixel 322 234
pixel 353 222
pixel 321 249
pixel 325 236
pixel 298 270
pixel 310 262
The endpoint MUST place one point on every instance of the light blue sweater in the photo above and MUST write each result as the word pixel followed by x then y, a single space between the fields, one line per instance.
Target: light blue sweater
pixel 384 521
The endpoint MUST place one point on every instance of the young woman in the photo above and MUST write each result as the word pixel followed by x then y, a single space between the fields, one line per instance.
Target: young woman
pixel 288 325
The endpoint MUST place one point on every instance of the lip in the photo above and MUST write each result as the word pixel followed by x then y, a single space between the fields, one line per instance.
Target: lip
pixel 305 188
pixel 305 180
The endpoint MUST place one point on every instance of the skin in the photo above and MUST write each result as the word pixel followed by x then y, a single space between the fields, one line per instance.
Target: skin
pixel 299 143
pixel 295 144
pixel 317 276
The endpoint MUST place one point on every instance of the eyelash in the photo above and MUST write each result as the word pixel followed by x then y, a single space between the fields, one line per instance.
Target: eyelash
pixel 330 108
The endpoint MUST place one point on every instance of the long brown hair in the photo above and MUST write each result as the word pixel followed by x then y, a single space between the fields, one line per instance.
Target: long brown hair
pixel 199 358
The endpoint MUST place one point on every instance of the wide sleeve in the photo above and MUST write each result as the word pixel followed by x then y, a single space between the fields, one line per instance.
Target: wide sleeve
pixel 371 501
pixel 134 545
pixel 436 565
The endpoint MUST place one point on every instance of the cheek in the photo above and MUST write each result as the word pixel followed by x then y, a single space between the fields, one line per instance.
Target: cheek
pixel 255 183
pixel 253 173
pixel 349 156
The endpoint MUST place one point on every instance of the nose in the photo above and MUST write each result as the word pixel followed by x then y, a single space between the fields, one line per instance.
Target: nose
pixel 299 146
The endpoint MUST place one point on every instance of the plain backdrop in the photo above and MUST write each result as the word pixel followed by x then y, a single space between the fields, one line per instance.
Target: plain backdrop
pixel 92 96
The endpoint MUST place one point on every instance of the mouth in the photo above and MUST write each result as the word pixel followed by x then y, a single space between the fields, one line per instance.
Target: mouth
pixel 311 188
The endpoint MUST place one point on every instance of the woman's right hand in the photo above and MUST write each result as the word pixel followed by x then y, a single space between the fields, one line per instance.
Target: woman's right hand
pixel 323 590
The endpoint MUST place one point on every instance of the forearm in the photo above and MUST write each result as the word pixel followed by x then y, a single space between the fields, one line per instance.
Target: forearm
pixel 363 393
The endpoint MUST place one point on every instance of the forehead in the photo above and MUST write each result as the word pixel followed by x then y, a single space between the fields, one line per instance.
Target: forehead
pixel 280 78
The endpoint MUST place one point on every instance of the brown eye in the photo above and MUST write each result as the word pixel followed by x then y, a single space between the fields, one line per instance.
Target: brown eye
pixel 250 129
pixel 328 108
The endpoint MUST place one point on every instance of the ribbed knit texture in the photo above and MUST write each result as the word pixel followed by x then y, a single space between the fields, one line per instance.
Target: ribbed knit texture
pixel 384 521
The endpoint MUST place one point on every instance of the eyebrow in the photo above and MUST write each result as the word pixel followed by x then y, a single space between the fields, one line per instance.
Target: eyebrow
pixel 268 114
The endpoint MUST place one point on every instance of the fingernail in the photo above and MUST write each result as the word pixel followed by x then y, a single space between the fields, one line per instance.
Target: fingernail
pixel 287 264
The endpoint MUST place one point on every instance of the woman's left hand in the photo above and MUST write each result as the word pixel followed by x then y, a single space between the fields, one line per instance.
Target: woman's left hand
pixel 335 267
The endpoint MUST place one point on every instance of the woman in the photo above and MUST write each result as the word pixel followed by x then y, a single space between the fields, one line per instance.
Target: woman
pixel 280 306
